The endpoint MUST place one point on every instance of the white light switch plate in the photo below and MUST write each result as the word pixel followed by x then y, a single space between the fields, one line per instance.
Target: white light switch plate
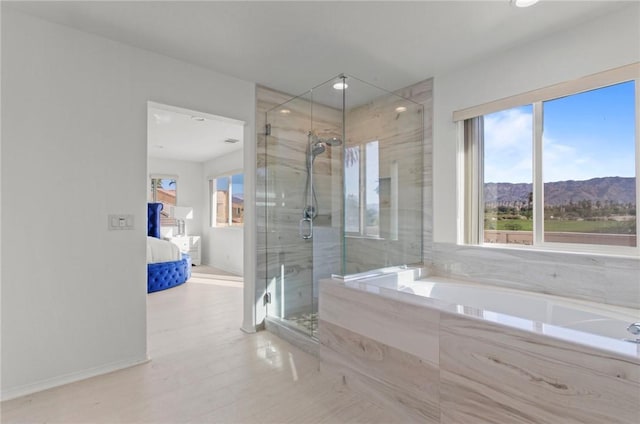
pixel 120 222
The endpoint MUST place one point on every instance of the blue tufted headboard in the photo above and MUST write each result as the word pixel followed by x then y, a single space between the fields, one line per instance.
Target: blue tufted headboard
pixel 153 219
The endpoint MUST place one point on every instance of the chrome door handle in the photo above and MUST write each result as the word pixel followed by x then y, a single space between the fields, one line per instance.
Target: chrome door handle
pixel 306 228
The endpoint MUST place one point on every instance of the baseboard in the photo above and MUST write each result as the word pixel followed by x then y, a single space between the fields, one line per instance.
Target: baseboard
pixel 223 267
pixel 39 386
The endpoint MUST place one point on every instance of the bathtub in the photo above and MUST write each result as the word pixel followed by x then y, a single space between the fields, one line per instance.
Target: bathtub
pixel 588 323
pixel 437 350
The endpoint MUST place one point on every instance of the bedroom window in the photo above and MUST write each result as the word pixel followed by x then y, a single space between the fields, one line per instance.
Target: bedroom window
pixel 227 201
pixel 164 190
pixel 559 172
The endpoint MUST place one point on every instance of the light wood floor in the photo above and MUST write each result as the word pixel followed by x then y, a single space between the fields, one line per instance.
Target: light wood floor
pixel 203 370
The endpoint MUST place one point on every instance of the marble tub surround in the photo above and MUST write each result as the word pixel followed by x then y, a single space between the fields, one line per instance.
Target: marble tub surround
pixel 385 349
pixel 401 383
pixel 480 370
pixel 613 280
pixel 409 327
pixel 493 372
pixel 546 315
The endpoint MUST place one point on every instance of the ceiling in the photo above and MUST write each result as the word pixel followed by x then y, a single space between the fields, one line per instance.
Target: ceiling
pixel 294 46
pixel 181 134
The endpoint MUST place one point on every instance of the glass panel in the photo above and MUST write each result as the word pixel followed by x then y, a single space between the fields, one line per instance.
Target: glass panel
pixel 237 193
pixel 337 160
pixel 589 167
pixel 352 189
pixel 386 131
pixel 289 256
pixel 372 190
pixel 222 201
pixel 508 176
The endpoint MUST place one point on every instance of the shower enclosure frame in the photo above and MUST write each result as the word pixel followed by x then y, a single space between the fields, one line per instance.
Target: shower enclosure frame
pixel 287 259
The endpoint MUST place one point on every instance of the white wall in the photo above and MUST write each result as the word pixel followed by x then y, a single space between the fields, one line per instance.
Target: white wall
pixel 74 114
pixel 191 182
pixel 223 247
pixel 608 42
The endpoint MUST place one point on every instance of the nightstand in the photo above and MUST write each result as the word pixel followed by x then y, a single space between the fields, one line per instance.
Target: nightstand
pixel 190 245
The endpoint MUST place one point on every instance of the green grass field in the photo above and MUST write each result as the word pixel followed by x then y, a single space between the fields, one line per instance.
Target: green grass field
pixel 609 227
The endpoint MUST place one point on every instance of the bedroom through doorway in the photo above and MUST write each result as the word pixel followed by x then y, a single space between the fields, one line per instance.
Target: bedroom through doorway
pixel 195 182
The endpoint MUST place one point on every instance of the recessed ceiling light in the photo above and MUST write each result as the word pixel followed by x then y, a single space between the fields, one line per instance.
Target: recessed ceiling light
pixel 285 111
pixel 198 118
pixel 231 140
pixel 401 109
pixel 340 85
pixel 524 3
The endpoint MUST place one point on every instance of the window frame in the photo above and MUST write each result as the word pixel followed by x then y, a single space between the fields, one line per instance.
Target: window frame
pixel 213 201
pixel 168 221
pixel 470 163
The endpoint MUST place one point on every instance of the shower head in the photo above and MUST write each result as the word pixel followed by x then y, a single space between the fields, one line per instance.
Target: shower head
pixel 318 148
pixel 331 141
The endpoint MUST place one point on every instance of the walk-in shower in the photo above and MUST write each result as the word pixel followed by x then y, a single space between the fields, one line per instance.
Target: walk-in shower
pixel 340 181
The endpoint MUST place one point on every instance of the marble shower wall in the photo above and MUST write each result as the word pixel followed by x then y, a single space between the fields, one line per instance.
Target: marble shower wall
pixel 401 139
pixel 285 260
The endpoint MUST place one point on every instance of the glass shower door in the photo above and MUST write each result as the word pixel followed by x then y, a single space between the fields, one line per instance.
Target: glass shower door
pixel 288 228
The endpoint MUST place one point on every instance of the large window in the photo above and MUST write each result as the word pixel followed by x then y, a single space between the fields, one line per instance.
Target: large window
pixel 164 190
pixel 362 190
pixel 227 201
pixel 559 172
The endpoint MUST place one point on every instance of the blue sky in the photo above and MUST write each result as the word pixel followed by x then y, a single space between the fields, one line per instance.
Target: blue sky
pixel 586 135
pixel 237 184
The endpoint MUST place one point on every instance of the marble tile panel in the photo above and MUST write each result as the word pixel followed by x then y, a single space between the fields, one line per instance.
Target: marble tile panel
pixel 601 279
pixel 401 382
pixel 492 374
pixel 410 328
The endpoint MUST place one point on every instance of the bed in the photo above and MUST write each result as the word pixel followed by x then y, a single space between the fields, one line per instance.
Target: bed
pixel 166 266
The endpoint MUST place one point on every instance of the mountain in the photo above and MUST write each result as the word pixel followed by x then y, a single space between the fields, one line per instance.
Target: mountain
pixel 614 189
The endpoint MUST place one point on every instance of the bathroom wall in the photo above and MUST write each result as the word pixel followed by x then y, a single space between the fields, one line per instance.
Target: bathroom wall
pixel 402 138
pixel 281 180
pixel 604 43
pixel 74 296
